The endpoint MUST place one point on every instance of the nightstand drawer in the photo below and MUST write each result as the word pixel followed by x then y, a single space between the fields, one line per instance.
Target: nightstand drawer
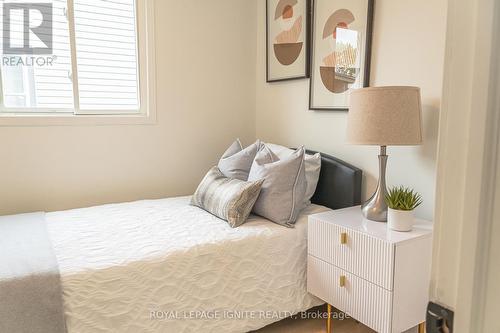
pixel 360 254
pixel 368 303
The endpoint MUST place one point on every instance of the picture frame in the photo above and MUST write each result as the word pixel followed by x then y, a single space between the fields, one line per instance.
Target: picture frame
pixel 341 39
pixel 287 39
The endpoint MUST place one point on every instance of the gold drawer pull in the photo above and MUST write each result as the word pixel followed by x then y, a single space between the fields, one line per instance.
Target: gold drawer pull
pixel 343 238
pixel 342 281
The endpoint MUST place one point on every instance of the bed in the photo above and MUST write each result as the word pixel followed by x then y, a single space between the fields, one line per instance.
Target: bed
pixel 166 266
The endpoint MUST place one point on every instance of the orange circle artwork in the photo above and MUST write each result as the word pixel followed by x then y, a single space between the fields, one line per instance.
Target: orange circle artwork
pixel 287 46
pixel 341 25
pixel 287 12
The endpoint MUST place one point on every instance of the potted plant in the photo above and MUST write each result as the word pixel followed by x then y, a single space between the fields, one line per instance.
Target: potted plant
pixel 401 202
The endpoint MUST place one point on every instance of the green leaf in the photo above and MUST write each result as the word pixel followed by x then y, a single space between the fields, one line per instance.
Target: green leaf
pixel 403 198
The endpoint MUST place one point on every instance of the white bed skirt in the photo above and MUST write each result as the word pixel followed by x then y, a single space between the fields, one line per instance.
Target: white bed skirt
pixel 165 266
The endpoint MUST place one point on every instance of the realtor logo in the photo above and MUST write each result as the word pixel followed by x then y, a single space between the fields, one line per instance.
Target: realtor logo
pixel 27 28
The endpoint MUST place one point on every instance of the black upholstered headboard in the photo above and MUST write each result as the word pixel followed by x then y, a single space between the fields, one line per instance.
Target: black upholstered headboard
pixel 339 183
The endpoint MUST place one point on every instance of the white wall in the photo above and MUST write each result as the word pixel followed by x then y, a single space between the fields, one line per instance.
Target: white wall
pixel 408 49
pixel 210 90
pixel 492 288
pixel 205 52
pixel 466 268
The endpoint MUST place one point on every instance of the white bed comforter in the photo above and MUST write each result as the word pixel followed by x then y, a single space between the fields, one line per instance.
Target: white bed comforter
pixel 165 266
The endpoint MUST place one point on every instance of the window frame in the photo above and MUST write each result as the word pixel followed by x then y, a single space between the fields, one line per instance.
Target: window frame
pixel 145 28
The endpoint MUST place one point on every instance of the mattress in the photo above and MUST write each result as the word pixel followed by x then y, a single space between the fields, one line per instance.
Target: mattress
pixel 166 266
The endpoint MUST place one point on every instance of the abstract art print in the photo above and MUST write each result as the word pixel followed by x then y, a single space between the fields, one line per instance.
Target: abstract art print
pixel 341 50
pixel 287 39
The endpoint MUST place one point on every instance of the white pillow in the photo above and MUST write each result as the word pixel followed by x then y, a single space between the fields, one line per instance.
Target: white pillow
pixel 312 167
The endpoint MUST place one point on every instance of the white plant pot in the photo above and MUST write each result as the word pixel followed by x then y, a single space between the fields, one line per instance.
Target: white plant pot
pixel 400 220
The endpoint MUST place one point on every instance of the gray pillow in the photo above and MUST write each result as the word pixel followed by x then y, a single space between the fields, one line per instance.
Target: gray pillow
pixel 236 161
pixel 227 198
pixel 312 166
pixel 284 187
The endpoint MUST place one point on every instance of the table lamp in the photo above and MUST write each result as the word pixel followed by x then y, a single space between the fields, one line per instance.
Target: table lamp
pixel 384 116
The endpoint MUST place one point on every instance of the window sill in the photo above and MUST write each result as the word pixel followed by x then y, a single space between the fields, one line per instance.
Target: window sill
pixel 38 120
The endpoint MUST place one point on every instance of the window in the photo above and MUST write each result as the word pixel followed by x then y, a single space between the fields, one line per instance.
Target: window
pixel 94 65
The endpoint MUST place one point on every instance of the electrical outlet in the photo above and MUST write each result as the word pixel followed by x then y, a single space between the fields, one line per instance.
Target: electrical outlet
pixel 439 319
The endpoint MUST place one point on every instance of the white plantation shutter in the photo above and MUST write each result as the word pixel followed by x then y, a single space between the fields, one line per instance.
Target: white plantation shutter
pixel 95 61
pixel 41 86
pixel 53 85
pixel 106 54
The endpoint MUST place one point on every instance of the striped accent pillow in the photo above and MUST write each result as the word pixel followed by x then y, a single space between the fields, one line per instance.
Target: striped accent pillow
pixel 227 198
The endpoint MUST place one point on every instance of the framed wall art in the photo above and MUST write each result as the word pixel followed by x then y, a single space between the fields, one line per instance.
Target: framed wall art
pixel 341 49
pixel 287 29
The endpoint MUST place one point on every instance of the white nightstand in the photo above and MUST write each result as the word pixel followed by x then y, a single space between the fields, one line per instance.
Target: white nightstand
pixel 377 276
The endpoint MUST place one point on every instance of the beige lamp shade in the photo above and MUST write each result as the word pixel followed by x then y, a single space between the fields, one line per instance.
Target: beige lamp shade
pixel 385 116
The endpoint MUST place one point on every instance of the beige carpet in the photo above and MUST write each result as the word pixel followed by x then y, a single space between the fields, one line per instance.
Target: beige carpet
pixel 315 325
